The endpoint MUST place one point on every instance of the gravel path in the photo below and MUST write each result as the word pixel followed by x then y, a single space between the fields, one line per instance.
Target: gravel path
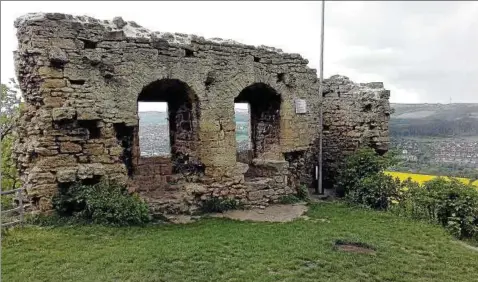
pixel 273 213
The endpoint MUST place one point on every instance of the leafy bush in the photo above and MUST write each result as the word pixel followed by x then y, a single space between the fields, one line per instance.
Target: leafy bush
pixel 102 203
pixel 52 220
pixel 289 199
pixel 303 193
pixel 362 164
pixel 216 204
pixel 376 191
pixel 447 202
pixel 9 112
pixel 450 203
pixel 361 179
pixel 402 205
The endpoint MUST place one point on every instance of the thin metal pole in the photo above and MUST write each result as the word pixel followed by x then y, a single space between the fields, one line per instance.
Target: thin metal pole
pixel 320 189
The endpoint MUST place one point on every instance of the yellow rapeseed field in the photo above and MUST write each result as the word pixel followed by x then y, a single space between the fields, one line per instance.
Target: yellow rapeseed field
pixel 421 178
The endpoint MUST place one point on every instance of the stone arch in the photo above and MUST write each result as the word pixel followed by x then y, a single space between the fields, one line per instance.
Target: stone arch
pixel 265 107
pixel 183 118
pixel 241 81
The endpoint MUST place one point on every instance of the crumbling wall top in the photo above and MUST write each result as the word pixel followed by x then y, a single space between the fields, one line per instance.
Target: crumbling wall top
pixel 133 31
pixel 368 90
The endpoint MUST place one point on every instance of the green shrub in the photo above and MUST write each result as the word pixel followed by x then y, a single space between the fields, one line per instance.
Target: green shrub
pixel 289 199
pixel 376 191
pixel 449 203
pixel 53 220
pixel 361 179
pixel 363 163
pixel 102 203
pixel 403 204
pixel 303 193
pixel 216 204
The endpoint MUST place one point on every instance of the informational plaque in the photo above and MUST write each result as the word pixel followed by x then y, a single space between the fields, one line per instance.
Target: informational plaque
pixel 300 106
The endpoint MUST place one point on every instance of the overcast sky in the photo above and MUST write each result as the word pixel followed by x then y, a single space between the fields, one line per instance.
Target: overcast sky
pixel 424 52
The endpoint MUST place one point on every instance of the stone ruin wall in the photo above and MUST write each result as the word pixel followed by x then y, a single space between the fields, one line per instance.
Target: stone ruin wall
pixel 82 78
pixel 355 115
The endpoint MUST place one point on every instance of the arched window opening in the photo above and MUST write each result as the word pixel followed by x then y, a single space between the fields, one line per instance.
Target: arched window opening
pixel 167 133
pixel 264 111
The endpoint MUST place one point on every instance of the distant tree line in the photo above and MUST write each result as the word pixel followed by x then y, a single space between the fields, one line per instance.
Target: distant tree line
pixel 9 110
pixel 436 128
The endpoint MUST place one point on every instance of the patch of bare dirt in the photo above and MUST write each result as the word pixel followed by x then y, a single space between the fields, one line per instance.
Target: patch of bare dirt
pixel 354 247
pixel 273 213
pixel 182 219
pixel 470 247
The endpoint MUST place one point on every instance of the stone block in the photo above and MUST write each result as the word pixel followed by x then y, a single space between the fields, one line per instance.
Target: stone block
pixel 66 175
pixel 58 56
pixel 54 83
pixel 114 35
pixel 45 204
pixel 83 159
pixel 70 147
pixel 41 178
pixel 63 43
pixel 76 74
pixel 195 188
pixel 46 151
pixel 53 162
pixel 104 159
pixel 87 114
pixel 94 149
pixel 115 151
pixel 53 102
pixel 65 113
pixel 43 190
pixel 50 72
pixel 256 195
pixel 279 179
pixel 89 170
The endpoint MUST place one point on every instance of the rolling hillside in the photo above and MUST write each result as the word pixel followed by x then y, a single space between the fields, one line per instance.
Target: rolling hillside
pixel 437 120
pixel 438 139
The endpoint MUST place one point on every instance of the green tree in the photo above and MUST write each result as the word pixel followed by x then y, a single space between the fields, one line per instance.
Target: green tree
pixel 10 105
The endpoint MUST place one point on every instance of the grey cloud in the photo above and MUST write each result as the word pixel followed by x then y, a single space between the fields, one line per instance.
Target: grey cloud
pixel 433 46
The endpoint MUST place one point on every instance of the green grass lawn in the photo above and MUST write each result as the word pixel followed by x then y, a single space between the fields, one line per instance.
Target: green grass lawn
pixel 225 250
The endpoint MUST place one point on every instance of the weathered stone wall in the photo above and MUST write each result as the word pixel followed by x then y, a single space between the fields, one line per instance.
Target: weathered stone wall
pixel 152 174
pixel 355 115
pixel 81 79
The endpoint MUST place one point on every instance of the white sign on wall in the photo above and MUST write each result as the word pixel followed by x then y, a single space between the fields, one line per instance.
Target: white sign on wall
pixel 300 106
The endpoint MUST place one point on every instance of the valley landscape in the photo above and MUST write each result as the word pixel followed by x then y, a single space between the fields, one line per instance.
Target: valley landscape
pixel 436 139
pixel 431 139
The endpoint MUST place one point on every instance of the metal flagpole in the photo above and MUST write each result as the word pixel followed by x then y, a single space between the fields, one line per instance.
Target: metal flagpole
pixel 320 189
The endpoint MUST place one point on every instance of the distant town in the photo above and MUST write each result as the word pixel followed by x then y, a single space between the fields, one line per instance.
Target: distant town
pixel 418 151
pixel 439 150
